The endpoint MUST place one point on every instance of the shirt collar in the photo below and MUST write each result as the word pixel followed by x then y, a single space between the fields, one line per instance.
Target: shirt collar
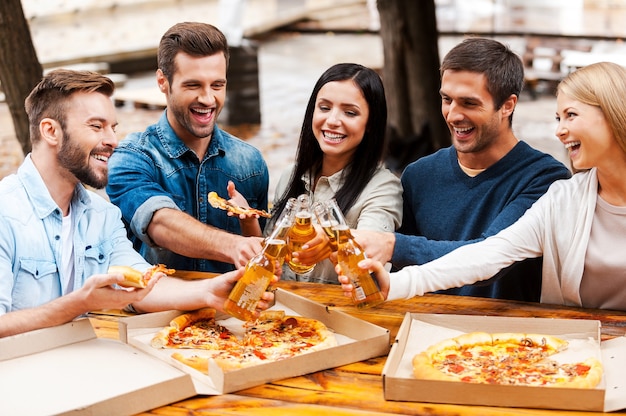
pixel 38 193
pixel 334 181
pixel 175 147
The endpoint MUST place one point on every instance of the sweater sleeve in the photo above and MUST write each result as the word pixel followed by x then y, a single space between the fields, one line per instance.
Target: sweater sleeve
pixel 475 262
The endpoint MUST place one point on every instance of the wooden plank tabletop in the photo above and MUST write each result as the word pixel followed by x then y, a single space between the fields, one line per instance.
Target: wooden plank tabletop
pixel 357 389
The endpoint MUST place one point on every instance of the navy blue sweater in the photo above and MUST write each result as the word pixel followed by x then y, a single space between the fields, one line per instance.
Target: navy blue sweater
pixel 445 209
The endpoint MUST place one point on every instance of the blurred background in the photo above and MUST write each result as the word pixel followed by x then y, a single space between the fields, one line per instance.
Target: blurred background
pixel 282 46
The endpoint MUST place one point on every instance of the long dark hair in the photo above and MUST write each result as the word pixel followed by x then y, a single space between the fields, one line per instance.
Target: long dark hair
pixel 368 154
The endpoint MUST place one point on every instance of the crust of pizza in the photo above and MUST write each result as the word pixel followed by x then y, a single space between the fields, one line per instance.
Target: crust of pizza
pixel 135 278
pixel 198 362
pixel 504 358
pixel 217 201
pixel 162 338
pixel 186 319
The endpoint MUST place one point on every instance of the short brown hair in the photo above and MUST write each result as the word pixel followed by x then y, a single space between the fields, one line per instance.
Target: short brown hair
pixel 194 39
pixel 49 97
pixel 502 67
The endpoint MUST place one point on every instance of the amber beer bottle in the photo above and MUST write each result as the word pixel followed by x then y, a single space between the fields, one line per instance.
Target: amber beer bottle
pixel 349 253
pixel 242 300
pixel 327 222
pixel 301 232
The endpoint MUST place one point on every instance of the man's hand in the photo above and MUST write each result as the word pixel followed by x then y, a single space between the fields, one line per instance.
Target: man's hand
pixel 378 245
pixel 221 286
pixel 245 249
pixel 99 291
pixel 382 276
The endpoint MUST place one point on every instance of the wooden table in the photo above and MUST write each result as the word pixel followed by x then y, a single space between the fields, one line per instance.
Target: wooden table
pixel 357 389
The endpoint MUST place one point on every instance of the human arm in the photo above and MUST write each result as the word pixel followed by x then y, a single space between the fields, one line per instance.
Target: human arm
pixel 190 238
pixel 97 293
pixel 371 266
pixel 175 293
pixel 476 262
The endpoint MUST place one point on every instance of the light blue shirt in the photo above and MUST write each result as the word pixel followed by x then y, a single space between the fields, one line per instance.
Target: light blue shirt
pixel 30 240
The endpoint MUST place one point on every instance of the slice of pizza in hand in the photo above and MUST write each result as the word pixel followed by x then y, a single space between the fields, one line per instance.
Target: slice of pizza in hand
pixel 217 201
pixel 135 278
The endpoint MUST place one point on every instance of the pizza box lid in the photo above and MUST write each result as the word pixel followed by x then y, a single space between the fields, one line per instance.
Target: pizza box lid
pixel 67 369
pixel 421 330
pixel 357 340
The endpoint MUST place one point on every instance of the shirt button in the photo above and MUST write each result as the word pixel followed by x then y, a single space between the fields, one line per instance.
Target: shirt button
pixel 57 237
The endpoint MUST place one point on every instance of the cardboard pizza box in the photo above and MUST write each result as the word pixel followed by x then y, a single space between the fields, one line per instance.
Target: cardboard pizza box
pixel 68 370
pixel 357 340
pixel 418 331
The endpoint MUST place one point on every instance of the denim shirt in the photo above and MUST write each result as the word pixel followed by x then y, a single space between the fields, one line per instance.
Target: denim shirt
pixel 30 240
pixel 155 169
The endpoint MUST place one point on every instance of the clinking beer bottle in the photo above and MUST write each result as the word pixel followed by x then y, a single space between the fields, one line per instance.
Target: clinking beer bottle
pixel 349 253
pixel 327 222
pixel 283 226
pixel 301 232
pixel 242 300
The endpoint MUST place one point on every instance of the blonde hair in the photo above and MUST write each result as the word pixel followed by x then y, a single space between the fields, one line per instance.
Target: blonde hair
pixel 601 85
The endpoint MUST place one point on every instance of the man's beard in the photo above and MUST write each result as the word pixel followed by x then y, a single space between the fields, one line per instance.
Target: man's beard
pixel 72 158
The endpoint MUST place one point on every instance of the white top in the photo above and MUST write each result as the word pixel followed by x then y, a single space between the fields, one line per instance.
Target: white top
pixel 604 265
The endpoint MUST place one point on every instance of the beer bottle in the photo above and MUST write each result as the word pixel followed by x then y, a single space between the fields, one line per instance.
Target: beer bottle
pixel 349 253
pixel 285 220
pixel 327 222
pixel 301 232
pixel 242 300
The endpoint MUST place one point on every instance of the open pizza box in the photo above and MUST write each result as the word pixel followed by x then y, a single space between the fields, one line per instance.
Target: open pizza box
pixel 419 331
pixel 68 370
pixel 357 340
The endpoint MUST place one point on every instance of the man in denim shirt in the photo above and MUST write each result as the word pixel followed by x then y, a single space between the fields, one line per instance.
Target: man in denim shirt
pixel 57 239
pixel 160 178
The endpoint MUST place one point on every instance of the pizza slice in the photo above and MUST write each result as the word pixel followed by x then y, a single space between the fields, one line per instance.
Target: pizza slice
pixel 217 201
pixel 135 278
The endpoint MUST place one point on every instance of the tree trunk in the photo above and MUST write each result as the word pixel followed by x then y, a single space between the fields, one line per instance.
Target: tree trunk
pixel 416 127
pixel 20 69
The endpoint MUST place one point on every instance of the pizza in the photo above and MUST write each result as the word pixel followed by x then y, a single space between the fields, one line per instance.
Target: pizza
pixel 135 278
pixel 505 358
pixel 274 336
pixel 217 201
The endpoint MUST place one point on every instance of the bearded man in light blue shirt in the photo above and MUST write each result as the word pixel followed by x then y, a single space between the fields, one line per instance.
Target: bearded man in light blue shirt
pixel 58 239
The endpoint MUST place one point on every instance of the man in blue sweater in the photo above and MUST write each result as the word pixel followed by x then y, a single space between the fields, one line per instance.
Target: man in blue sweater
pixel 481 184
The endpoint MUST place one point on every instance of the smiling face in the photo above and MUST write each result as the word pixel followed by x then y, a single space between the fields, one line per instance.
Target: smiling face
pixel 584 131
pixel 195 97
pixel 468 108
pixel 88 138
pixel 340 120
